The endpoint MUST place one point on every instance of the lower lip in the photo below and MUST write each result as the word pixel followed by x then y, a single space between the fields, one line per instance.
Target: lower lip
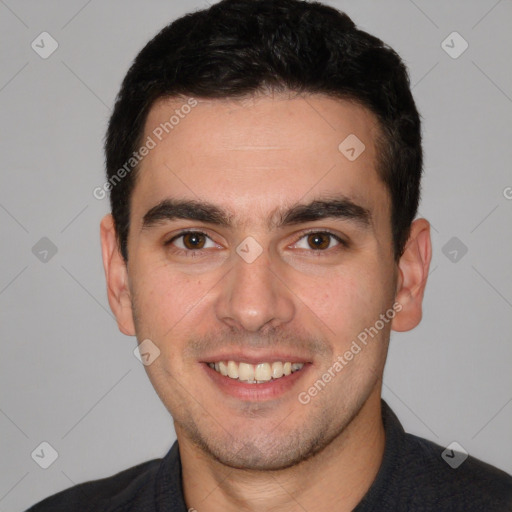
pixel 272 389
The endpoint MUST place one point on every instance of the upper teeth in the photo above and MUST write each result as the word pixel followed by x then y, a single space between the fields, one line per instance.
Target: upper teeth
pixel 255 373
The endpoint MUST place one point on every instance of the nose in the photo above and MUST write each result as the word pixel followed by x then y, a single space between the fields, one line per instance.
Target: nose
pixel 254 296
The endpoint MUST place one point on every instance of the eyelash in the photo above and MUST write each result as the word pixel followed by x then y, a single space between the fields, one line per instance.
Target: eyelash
pixel 196 252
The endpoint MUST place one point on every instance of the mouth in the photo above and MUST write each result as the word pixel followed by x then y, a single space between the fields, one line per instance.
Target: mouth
pixel 258 380
pixel 259 373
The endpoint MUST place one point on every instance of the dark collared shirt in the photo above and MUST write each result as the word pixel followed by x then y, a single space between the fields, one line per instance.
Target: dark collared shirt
pixel 413 477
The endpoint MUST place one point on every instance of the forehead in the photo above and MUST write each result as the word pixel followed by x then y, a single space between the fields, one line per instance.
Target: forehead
pixel 251 156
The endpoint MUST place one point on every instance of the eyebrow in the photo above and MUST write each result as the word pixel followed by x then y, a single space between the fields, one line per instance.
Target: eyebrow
pixel 202 211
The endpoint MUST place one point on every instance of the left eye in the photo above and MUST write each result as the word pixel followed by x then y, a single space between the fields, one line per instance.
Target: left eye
pixel 318 241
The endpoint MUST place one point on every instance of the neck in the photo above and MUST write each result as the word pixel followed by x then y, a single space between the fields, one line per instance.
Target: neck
pixel 341 474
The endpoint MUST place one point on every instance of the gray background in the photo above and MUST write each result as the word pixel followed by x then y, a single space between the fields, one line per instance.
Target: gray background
pixel 70 378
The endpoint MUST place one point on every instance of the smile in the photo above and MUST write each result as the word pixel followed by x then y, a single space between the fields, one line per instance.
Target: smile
pixel 255 373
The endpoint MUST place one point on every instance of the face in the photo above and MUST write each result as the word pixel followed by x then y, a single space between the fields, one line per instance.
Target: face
pixel 257 248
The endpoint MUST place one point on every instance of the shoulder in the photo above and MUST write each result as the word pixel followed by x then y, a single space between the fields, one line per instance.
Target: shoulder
pixel 452 481
pixel 418 474
pixel 99 495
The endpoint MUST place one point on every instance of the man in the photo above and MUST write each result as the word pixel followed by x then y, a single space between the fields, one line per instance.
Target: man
pixel 264 162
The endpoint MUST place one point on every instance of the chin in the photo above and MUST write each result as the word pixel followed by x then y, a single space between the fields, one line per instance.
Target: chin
pixel 264 452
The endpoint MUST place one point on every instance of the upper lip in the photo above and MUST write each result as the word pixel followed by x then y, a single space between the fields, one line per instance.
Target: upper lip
pixel 255 358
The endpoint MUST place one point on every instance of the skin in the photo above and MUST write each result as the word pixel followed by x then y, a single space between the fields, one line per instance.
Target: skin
pixel 249 158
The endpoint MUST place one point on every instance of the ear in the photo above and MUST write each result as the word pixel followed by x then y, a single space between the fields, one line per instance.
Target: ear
pixel 412 276
pixel 116 274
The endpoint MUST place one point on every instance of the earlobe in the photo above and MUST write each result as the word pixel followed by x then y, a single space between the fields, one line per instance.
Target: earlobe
pixel 413 273
pixel 116 275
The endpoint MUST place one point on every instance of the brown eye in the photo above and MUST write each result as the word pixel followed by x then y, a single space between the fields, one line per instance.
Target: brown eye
pixel 319 240
pixel 195 244
pixel 194 240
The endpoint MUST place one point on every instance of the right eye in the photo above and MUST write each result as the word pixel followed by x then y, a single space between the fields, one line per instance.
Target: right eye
pixel 188 241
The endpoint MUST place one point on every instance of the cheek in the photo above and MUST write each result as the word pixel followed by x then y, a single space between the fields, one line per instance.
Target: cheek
pixel 345 303
pixel 164 299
